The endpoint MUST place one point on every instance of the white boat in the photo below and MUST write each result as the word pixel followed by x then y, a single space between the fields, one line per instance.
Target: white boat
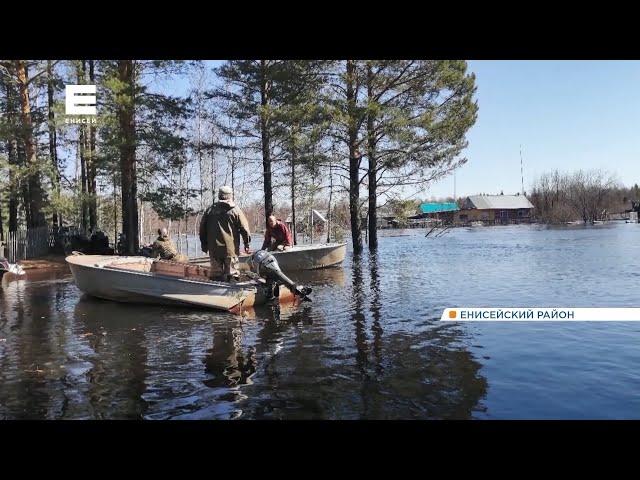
pixel 300 257
pixel 145 280
pixel 6 267
pixel 477 224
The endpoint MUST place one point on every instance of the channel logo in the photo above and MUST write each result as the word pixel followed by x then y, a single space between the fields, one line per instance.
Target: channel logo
pixel 80 100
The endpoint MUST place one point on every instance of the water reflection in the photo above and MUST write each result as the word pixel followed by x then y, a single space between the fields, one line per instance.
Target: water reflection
pixel 27 357
pixel 226 363
pixel 354 352
pixel 358 317
pixel 33 335
pixel 426 373
pixel 434 380
pixel 376 309
pixel 331 277
pixel 118 357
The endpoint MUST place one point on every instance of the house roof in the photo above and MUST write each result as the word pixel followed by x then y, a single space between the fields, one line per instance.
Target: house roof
pixel 505 202
pixel 435 207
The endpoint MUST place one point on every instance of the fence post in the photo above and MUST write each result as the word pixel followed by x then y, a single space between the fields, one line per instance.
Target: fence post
pixel 24 244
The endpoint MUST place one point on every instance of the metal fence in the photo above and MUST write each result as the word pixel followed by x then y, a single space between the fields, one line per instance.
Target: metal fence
pixel 23 244
pixel 186 244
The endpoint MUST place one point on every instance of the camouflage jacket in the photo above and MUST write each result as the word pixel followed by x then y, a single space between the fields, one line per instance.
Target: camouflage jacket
pixel 164 248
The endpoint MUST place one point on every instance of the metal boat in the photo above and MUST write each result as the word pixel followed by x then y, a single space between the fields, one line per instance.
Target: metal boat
pixel 145 280
pixel 300 257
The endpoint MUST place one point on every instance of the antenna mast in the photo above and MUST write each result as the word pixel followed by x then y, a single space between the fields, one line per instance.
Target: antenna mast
pixel 521 171
pixel 454 184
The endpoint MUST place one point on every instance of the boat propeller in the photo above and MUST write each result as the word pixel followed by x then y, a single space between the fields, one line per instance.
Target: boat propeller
pixel 266 266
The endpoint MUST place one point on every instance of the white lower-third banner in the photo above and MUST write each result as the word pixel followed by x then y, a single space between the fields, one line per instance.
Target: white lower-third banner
pixel 541 314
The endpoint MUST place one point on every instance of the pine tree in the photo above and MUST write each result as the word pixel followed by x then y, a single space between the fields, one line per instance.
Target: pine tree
pixel 257 88
pixel 143 130
pixel 9 129
pixel 345 102
pixel 52 86
pixel 34 194
pixel 91 159
pixel 418 113
pixel 301 123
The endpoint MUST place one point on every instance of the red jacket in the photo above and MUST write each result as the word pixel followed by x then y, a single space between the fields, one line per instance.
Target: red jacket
pixel 280 233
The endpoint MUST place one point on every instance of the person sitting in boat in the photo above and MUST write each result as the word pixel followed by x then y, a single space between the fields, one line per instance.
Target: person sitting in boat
pixel 221 227
pixel 164 247
pixel 277 236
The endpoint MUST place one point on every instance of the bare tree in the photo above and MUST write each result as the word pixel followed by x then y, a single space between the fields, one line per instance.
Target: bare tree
pixel 584 195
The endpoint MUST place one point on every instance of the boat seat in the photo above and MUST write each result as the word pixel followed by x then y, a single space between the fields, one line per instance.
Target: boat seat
pixel 180 270
pixel 131 266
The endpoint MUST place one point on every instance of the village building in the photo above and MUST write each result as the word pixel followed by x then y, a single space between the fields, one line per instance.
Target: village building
pixel 383 222
pixel 495 209
pixel 434 213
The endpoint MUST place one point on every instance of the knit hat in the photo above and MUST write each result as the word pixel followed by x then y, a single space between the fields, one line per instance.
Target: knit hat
pixel 225 193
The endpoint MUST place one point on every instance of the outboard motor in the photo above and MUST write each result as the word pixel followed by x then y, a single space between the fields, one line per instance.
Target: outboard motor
pixel 265 265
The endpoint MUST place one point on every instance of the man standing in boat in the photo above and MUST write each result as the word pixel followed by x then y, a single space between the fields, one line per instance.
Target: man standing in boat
pixel 221 227
pixel 277 236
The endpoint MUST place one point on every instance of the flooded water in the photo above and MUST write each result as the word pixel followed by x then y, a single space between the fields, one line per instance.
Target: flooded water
pixel 369 346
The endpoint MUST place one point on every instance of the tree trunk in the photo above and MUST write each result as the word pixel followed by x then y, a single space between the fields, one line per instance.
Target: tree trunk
pixel 115 211
pixel 91 172
pixel 126 118
pixel 1 224
pixel 233 172
pixel 199 147
pixel 82 150
pixel 13 190
pixel 83 176
pixel 373 169
pixel 53 140
pixel 141 228
pixel 354 160
pixel 214 171
pixel 35 194
pixel 24 185
pixel 12 152
pixel 293 195
pixel 329 213
pixel 265 86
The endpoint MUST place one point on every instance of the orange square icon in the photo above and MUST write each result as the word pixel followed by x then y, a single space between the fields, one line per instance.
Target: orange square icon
pixel 452 314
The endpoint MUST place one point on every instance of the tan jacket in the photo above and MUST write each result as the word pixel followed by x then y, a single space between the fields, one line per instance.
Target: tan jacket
pixel 220 229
